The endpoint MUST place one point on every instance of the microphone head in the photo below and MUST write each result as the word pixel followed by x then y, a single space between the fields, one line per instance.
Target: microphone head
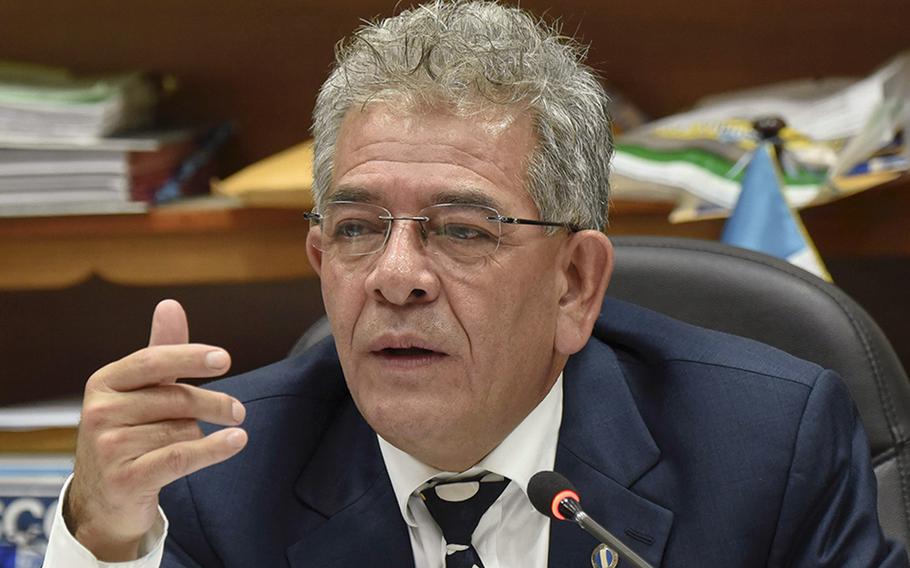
pixel 547 489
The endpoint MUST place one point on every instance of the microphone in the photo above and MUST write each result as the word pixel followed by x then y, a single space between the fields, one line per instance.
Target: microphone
pixel 554 496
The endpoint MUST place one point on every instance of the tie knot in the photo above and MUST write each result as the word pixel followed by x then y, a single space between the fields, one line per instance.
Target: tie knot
pixel 457 506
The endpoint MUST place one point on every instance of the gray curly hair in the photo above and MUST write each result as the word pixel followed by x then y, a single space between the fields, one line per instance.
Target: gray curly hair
pixel 475 56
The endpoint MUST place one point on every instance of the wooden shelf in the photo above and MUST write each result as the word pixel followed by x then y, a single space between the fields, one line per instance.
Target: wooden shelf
pixel 871 224
pixel 54 440
pixel 662 55
pixel 165 220
pixel 166 246
pixel 223 245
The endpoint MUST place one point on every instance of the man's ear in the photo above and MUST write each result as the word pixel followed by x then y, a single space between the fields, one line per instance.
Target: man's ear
pixel 587 265
pixel 313 253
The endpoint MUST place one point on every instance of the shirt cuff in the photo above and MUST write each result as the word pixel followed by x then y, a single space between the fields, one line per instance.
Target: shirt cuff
pixel 64 551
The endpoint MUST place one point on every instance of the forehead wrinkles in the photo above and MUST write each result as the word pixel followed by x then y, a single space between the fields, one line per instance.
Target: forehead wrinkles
pixel 496 145
pixel 499 172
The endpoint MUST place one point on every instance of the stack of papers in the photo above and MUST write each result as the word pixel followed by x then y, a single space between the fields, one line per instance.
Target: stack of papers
pixel 114 175
pixel 73 145
pixel 61 413
pixel 44 103
pixel 841 136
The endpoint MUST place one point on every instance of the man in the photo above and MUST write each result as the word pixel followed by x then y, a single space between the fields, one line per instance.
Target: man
pixel 461 168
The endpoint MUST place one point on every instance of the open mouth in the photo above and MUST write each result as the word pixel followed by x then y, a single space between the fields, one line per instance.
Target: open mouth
pixel 405 351
pixel 409 352
pixel 409 357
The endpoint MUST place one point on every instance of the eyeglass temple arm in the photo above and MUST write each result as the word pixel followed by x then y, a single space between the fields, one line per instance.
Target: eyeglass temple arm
pixel 517 221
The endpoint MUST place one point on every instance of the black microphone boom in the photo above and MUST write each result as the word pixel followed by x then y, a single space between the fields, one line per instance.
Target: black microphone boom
pixel 554 496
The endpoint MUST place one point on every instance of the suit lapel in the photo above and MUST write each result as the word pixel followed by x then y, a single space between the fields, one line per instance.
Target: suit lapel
pixel 358 521
pixel 604 448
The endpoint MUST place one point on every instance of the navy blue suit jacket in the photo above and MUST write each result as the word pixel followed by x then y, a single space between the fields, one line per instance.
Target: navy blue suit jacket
pixel 695 447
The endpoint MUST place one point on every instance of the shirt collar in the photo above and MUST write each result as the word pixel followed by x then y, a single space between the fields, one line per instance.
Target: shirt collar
pixel 529 448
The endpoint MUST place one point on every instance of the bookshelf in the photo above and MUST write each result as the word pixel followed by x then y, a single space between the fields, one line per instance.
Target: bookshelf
pixel 261 63
pixel 77 291
pixel 218 245
pixel 163 246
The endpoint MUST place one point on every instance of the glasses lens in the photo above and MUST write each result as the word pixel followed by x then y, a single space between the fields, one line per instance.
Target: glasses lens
pixel 351 229
pixel 463 231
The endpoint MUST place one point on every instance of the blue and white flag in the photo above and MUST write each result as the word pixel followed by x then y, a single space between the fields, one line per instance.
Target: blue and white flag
pixel 762 220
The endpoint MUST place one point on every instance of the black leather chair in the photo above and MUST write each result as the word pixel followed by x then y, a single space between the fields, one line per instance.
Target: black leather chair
pixel 757 296
pixel 745 293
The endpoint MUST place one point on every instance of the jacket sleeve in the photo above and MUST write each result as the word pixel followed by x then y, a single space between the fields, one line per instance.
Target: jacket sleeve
pixel 186 545
pixel 829 516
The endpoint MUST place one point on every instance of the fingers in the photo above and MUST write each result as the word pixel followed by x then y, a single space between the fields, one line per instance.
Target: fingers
pixel 160 364
pixel 126 443
pixel 164 402
pixel 157 468
pixel 139 431
pixel 169 325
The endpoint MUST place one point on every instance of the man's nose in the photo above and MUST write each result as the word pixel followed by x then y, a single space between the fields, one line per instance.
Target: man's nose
pixel 404 271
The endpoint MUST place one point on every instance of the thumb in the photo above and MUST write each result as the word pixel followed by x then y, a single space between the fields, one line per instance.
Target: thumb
pixel 169 326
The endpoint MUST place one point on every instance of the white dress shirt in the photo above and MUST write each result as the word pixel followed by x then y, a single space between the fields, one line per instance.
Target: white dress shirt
pixel 511 532
pixel 64 551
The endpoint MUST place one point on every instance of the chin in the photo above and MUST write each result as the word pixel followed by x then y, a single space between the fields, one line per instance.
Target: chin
pixel 416 425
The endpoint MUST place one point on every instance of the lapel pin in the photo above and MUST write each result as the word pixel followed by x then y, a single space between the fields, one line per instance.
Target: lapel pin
pixel 604 557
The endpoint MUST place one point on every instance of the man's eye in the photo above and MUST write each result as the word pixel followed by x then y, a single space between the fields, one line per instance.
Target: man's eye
pixel 355 228
pixel 465 232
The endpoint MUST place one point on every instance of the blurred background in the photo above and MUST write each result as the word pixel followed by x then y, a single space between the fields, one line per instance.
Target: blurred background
pixel 77 291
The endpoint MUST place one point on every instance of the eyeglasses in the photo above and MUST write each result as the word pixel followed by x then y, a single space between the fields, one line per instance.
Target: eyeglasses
pixel 351 228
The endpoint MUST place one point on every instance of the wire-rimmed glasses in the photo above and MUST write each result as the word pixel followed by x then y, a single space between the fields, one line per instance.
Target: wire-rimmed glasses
pixel 352 228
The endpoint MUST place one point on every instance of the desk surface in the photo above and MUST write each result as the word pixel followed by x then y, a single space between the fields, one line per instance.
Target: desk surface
pixel 212 245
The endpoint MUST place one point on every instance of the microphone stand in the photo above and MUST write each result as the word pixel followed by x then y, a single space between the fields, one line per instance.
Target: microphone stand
pixel 592 527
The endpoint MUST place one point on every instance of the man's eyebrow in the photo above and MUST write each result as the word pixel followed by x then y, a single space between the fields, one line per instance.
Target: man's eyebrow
pixel 351 193
pixel 466 197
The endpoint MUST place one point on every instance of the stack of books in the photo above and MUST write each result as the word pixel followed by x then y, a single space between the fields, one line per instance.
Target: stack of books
pixel 110 175
pixel 78 145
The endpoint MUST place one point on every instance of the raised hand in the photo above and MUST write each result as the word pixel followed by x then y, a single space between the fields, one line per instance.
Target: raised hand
pixel 139 432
